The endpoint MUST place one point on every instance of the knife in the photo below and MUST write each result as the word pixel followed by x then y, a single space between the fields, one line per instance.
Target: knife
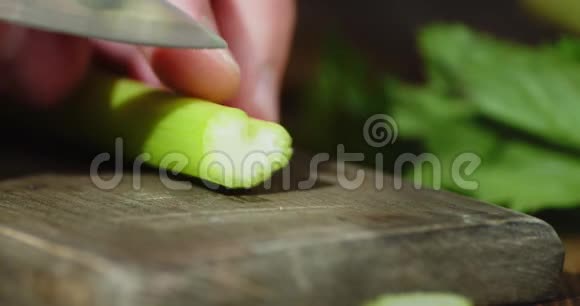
pixel 142 22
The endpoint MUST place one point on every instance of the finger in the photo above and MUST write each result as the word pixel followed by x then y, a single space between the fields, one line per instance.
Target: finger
pixel 41 68
pixel 125 59
pixel 208 74
pixel 259 33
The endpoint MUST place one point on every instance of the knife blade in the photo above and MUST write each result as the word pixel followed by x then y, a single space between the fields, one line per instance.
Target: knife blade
pixel 142 22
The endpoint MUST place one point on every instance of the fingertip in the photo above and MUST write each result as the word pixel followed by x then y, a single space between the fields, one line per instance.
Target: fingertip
pixel 207 74
pixel 259 33
pixel 263 102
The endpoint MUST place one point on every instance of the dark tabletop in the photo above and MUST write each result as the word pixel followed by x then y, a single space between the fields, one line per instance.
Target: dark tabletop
pixel 570 288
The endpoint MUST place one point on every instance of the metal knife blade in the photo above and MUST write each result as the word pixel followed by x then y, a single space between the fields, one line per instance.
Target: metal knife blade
pixel 143 22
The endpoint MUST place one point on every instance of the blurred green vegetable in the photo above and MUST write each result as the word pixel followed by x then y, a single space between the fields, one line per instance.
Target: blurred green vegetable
pixel 421 299
pixel 560 12
pixel 516 107
pixel 535 90
pixel 333 111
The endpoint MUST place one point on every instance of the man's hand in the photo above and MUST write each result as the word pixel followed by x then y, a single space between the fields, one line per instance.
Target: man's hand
pixel 42 68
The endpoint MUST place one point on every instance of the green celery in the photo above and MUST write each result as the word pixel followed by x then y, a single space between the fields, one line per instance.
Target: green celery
pixel 219 144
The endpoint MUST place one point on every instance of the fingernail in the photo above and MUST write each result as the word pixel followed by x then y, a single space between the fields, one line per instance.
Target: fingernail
pixel 266 98
pixel 227 57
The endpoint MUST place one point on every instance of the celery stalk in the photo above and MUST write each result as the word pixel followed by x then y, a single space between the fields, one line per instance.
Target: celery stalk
pixel 219 144
pixel 421 299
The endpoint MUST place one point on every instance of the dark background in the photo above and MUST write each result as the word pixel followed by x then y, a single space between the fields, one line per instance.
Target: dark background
pixel 385 29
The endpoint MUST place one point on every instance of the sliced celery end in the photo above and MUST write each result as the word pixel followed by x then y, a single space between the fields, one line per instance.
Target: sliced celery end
pixel 242 152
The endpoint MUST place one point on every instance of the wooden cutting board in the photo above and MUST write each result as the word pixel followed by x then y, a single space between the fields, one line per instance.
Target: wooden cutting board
pixel 65 242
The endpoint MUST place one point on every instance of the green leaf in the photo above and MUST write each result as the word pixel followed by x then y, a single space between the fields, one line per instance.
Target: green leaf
pixel 417 109
pixel 535 90
pixel 447 127
pixel 568 47
pixel 467 83
pixel 512 173
pixel 529 179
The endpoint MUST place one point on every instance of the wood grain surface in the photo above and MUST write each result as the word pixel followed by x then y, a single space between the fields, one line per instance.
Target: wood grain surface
pixel 65 242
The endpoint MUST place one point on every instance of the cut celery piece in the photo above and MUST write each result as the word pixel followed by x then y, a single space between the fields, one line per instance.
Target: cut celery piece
pixel 216 143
